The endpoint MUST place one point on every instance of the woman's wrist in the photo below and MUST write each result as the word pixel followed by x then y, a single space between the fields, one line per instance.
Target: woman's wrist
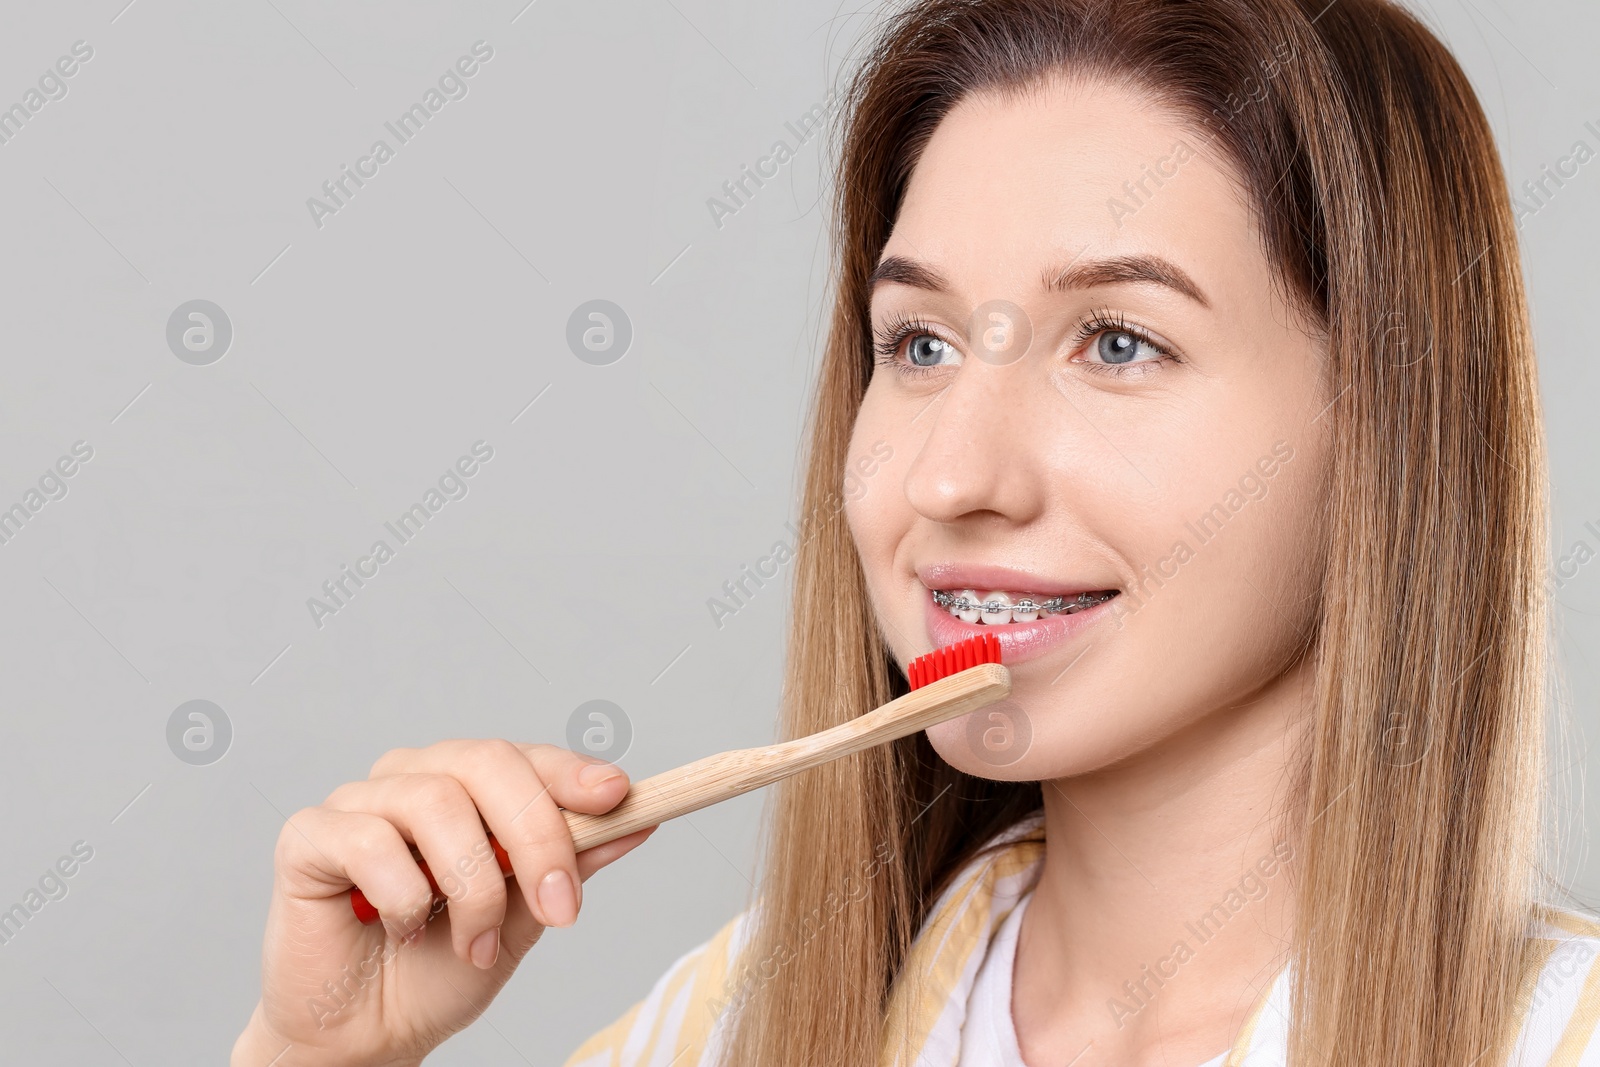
pixel 258 1046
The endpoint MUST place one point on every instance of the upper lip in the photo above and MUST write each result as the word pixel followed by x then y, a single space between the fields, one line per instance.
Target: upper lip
pixel 982 578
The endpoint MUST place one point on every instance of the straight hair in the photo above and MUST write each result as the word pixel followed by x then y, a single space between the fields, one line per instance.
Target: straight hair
pixel 1381 205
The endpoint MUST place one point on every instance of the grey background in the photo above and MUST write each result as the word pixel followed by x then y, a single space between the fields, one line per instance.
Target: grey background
pixel 369 354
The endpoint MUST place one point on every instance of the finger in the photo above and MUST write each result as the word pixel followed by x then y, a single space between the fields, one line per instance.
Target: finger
pixel 521 931
pixel 530 827
pixel 393 761
pixel 577 782
pixel 437 812
pixel 517 788
pixel 322 851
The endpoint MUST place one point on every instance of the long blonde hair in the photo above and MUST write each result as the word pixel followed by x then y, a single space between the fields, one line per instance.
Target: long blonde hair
pixel 1382 206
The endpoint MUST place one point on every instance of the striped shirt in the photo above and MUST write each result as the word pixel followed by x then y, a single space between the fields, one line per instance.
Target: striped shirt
pixel 683 1021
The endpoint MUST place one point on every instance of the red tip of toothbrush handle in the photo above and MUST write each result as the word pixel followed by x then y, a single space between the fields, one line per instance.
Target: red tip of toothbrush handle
pixel 363 908
pixel 367 914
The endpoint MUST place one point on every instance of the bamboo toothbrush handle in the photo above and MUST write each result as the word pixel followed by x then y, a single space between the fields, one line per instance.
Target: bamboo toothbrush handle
pixel 728 774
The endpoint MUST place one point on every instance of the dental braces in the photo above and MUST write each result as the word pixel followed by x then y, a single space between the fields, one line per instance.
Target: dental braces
pixel 1057 605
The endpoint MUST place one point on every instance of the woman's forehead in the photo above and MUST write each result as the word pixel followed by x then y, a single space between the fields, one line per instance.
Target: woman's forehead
pixel 1012 187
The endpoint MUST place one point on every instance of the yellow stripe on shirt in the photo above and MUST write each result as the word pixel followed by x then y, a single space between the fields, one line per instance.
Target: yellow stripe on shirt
pixel 700 970
pixel 1247 1033
pixel 959 927
pixel 1580 1029
pixel 691 1006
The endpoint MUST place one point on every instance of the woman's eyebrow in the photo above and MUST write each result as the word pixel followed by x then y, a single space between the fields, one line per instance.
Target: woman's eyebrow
pixel 1141 267
pixel 1149 269
pixel 906 271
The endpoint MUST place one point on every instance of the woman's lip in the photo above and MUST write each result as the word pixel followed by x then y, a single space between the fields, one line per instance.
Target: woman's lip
pixel 983 578
pixel 1019 641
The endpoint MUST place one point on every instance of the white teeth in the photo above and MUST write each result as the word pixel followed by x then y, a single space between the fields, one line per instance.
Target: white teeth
pixel 1025 616
pixel 995 618
pixel 969 607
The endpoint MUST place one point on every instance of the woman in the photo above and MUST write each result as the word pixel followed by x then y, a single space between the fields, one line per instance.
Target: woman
pixel 1189 348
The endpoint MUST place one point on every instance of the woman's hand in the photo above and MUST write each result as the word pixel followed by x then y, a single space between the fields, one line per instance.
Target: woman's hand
pixel 337 992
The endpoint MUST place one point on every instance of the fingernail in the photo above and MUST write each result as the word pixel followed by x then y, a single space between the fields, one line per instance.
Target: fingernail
pixel 596 773
pixel 485 949
pixel 558 899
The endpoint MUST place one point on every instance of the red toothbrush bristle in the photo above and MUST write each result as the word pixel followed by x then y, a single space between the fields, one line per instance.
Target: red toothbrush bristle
pixel 943 662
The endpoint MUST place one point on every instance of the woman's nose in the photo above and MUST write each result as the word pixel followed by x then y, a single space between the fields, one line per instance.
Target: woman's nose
pixel 982 453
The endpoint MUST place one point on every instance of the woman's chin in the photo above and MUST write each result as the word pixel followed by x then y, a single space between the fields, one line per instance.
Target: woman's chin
pixel 995 742
pixel 1005 743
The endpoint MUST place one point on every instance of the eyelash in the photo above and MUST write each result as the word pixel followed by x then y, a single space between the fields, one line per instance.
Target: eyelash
pixel 899 329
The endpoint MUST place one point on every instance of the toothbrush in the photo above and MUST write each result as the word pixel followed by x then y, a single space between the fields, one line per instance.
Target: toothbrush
pixel 945 683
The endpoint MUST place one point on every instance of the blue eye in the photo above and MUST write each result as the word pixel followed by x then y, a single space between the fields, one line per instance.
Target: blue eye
pixel 911 347
pixel 1121 346
pixel 925 350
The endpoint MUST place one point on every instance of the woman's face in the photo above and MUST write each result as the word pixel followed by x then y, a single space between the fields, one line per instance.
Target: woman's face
pixel 1089 382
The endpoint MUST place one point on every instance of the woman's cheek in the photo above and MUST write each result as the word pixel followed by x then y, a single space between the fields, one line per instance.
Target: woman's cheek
pixel 872 482
pixel 865 511
pixel 1233 592
pixel 869 509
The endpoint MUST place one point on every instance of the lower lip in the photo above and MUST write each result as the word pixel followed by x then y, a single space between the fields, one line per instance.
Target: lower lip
pixel 1019 641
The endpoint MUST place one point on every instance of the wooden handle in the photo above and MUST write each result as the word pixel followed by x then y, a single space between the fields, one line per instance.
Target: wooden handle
pixel 728 774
